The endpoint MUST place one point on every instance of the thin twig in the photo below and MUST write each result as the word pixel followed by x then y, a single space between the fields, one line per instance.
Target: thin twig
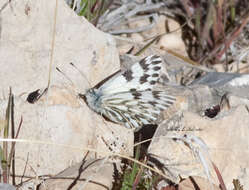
pixel 109 22
pixel 12 152
pixel 12 149
pixel 52 44
pixel 234 35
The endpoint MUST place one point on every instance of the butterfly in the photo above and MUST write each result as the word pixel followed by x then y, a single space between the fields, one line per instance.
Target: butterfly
pixel 127 97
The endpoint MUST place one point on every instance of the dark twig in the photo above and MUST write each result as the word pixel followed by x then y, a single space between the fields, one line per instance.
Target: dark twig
pixel 234 35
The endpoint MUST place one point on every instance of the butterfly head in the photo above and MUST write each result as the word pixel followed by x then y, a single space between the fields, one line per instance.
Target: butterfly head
pixel 92 99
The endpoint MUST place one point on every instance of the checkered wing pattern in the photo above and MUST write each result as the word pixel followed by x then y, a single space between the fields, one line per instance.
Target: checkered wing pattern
pixel 128 97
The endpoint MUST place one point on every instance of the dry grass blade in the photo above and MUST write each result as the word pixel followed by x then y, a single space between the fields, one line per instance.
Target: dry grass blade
pixel 8 160
pixel 126 13
pixel 222 184
pixel 138 177
pixel 235 34
pixel 155 39
pixel 12 150
pixel 52 45
pixel 4 159
pixel 216 25
pixel 148 45
pixel 11 155
pixel 237 185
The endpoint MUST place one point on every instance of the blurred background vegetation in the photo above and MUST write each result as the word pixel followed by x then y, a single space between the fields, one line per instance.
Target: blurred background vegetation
pixel 214 31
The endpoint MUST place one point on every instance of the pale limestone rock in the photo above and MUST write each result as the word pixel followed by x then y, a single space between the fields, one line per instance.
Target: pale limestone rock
pixel 170 41
pixel 69 130
pixel 219 67
pixel 139 23
pixel 161 24
pixel 193 182
pixel 26 47
pixel 173 42
pixel 236 101
pixel 137 37
pixel 4 186
pixel 99 174
pixel 59 118
pixel 226 136
pixel 239 65
pixel 233 67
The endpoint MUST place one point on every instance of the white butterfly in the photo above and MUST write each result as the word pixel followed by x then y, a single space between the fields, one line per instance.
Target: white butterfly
pixel 126 97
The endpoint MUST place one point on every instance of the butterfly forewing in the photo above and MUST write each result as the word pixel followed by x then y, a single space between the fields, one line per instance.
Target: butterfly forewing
pixel 141 76
pixel 127 97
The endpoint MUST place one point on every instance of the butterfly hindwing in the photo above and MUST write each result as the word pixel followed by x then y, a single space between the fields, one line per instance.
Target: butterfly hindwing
pixel 136 108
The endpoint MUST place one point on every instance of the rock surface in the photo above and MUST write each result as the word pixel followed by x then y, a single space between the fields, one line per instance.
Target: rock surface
pixel 4 186
pixel 91 174
pixel 196 182
pixel 59 127
pixel 225 136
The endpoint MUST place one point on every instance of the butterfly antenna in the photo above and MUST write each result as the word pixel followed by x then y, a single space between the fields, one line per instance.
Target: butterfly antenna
pixel 82 74
pixel 74 91
pixel 65 76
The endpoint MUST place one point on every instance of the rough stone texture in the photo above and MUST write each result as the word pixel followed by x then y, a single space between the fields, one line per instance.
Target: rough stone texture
pixel 236 101
pixel 26 47
pixel 99 174
pixel 65 127
pixel 226 83
pixel 62 123
pixel 226 136
pixel 169 41
pixel 4 186
pixel 172 40
pixel 196 182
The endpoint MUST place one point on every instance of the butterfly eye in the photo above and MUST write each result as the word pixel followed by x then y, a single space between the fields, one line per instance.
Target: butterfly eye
pixel 90 91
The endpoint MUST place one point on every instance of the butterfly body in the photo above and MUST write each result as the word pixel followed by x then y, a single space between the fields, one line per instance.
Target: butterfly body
pixel 93 100
pixel 127 97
